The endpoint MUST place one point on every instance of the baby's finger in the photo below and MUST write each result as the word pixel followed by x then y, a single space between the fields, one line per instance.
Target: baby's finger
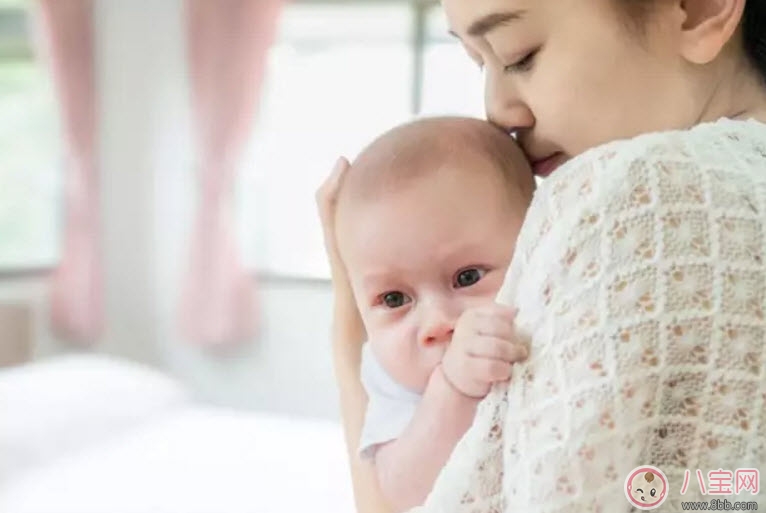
pixel 499 308
pixel 505 312
pixel 485 370
pixel 494 325
pixel 497 349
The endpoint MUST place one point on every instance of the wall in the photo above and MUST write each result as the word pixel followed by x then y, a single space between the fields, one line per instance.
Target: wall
pixel 288 369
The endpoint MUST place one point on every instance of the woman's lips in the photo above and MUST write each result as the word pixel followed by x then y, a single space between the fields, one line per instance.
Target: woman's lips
pixel 544 167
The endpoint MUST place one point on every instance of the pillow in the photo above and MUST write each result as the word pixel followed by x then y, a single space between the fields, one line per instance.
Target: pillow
pixel 55 406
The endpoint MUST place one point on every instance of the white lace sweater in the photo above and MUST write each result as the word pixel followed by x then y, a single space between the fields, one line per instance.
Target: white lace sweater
pixel 640 278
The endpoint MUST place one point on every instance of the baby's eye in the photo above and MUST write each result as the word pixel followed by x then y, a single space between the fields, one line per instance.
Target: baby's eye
pixel 395 299
pixel 469 277
pixel 653 492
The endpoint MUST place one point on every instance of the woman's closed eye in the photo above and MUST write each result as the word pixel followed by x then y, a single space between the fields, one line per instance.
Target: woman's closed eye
pixel 523 64
pixel 469 277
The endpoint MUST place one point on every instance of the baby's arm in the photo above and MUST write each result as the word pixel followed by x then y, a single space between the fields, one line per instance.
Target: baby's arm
pixel 481 353
pixel 408 466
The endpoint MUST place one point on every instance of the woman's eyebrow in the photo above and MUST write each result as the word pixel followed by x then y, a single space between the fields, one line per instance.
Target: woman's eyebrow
pixel 490 22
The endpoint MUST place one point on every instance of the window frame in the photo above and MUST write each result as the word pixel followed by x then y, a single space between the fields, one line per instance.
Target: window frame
pixel 15 37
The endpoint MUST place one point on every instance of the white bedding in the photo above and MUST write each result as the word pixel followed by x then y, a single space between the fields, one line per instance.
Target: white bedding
pixel 183 458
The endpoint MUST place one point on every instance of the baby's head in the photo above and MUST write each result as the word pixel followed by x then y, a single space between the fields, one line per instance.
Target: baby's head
pixel 427 221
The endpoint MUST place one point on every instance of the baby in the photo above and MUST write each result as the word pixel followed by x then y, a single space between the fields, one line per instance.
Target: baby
pixel 427 219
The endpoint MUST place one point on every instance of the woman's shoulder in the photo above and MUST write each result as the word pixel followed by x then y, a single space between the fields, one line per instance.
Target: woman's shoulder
pixel 642 181
pixel 671 166
pixel 656 200
pixel 705 142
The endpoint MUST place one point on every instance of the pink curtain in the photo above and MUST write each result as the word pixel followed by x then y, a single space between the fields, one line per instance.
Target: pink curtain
pixel 228 42
pixel 76 295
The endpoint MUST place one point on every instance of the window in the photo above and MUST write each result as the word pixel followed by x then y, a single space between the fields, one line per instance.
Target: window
pixel 452 83
pixel 339 75
pixel 29 186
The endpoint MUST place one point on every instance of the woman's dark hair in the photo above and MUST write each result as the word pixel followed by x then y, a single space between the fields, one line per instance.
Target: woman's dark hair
pixel 754 28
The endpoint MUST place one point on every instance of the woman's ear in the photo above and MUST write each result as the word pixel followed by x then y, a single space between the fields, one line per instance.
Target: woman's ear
pixel 708 26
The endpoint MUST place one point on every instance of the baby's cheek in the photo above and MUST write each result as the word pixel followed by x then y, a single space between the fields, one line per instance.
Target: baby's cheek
pixel 495 282
pixel 484 291
pixel 398 355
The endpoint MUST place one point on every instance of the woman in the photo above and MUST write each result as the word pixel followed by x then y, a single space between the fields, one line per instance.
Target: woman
pixel 653 109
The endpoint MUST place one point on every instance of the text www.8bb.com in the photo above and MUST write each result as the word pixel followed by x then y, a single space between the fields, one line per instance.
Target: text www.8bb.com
pixel 719 505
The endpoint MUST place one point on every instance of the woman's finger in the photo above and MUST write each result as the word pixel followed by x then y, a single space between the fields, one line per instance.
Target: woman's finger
pixel 326 197
pixel 327 194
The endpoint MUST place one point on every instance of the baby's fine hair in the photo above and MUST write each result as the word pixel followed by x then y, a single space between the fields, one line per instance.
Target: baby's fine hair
pixel 423 146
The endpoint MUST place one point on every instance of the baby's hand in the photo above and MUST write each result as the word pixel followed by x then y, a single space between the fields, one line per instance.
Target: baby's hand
pixel 482 350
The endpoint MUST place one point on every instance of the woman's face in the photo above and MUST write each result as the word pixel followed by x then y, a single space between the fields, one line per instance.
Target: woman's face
pixel 569 75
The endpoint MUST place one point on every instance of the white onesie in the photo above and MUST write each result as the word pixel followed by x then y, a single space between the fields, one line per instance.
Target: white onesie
pixel 390 405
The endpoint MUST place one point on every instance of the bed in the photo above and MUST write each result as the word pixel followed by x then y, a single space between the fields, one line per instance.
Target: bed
pixel 92 434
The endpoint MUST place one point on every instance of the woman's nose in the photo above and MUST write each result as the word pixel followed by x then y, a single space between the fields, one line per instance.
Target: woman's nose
pixel 512 120
pixel 505 108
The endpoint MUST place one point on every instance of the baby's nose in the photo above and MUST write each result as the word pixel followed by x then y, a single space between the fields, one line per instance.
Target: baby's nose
pixel 437 331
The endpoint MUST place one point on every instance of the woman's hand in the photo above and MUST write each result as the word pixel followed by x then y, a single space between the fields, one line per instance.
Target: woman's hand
pixel 347 323
pixel 327 201
pixel 348 330
pixel 348 334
